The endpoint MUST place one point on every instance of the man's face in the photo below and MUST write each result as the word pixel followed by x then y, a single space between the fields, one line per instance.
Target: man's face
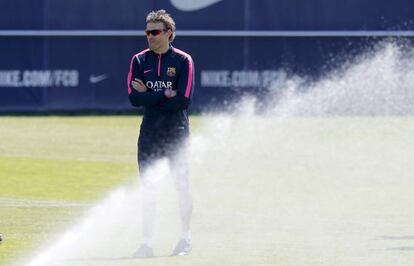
pixel 157 36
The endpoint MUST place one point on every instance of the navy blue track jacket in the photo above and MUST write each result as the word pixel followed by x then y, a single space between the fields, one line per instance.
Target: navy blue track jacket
pixel 165 124
pixel 173 69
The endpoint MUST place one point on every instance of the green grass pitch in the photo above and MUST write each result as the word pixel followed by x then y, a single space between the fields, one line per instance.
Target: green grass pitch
pixel 267 191
pixel 56 160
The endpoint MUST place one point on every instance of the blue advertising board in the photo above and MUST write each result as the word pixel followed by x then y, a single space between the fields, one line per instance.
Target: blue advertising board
pixel 74 55
pixel 209 14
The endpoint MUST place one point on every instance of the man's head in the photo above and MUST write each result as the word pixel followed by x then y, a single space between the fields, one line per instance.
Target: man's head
pixel 160 30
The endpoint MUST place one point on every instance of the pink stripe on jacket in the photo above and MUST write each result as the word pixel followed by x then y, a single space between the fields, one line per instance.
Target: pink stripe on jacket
pixel 190 72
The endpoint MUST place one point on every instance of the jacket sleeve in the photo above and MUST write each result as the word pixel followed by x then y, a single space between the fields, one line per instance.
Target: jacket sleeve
pixel 185 88
pixel 148 98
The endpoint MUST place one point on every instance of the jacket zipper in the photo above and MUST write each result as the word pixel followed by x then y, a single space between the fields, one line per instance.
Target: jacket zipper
pixel 159 65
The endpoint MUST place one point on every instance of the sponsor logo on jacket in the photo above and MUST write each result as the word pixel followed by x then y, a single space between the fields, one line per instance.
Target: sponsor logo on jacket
pixel 159 85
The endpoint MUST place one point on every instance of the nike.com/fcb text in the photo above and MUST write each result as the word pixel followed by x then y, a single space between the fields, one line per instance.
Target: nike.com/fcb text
pixel 39 78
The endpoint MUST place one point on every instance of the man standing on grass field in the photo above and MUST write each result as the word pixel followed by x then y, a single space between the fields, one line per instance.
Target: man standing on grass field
pixel 161 79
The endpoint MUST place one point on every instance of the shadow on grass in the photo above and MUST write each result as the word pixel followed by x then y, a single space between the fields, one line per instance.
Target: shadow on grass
pixel 102 259
pixel 395 238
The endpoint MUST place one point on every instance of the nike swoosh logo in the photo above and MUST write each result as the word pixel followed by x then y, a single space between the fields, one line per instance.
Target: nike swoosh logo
pixel 192 5
pixel 96 79
pixel 146 71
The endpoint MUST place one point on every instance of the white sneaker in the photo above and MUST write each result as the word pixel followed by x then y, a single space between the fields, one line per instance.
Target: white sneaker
pixel 144 251
pixel 182 248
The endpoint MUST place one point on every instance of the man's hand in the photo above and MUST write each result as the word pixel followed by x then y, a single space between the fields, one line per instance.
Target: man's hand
pixel 138 85
pixel 169 93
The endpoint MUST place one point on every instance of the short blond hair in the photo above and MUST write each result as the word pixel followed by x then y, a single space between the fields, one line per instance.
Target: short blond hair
pixel 162 16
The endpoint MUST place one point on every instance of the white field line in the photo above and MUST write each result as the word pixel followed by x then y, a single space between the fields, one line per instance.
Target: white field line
pixel 211 33
pixel 12 202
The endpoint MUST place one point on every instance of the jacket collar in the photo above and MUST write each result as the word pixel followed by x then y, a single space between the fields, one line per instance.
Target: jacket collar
pixel 170 48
